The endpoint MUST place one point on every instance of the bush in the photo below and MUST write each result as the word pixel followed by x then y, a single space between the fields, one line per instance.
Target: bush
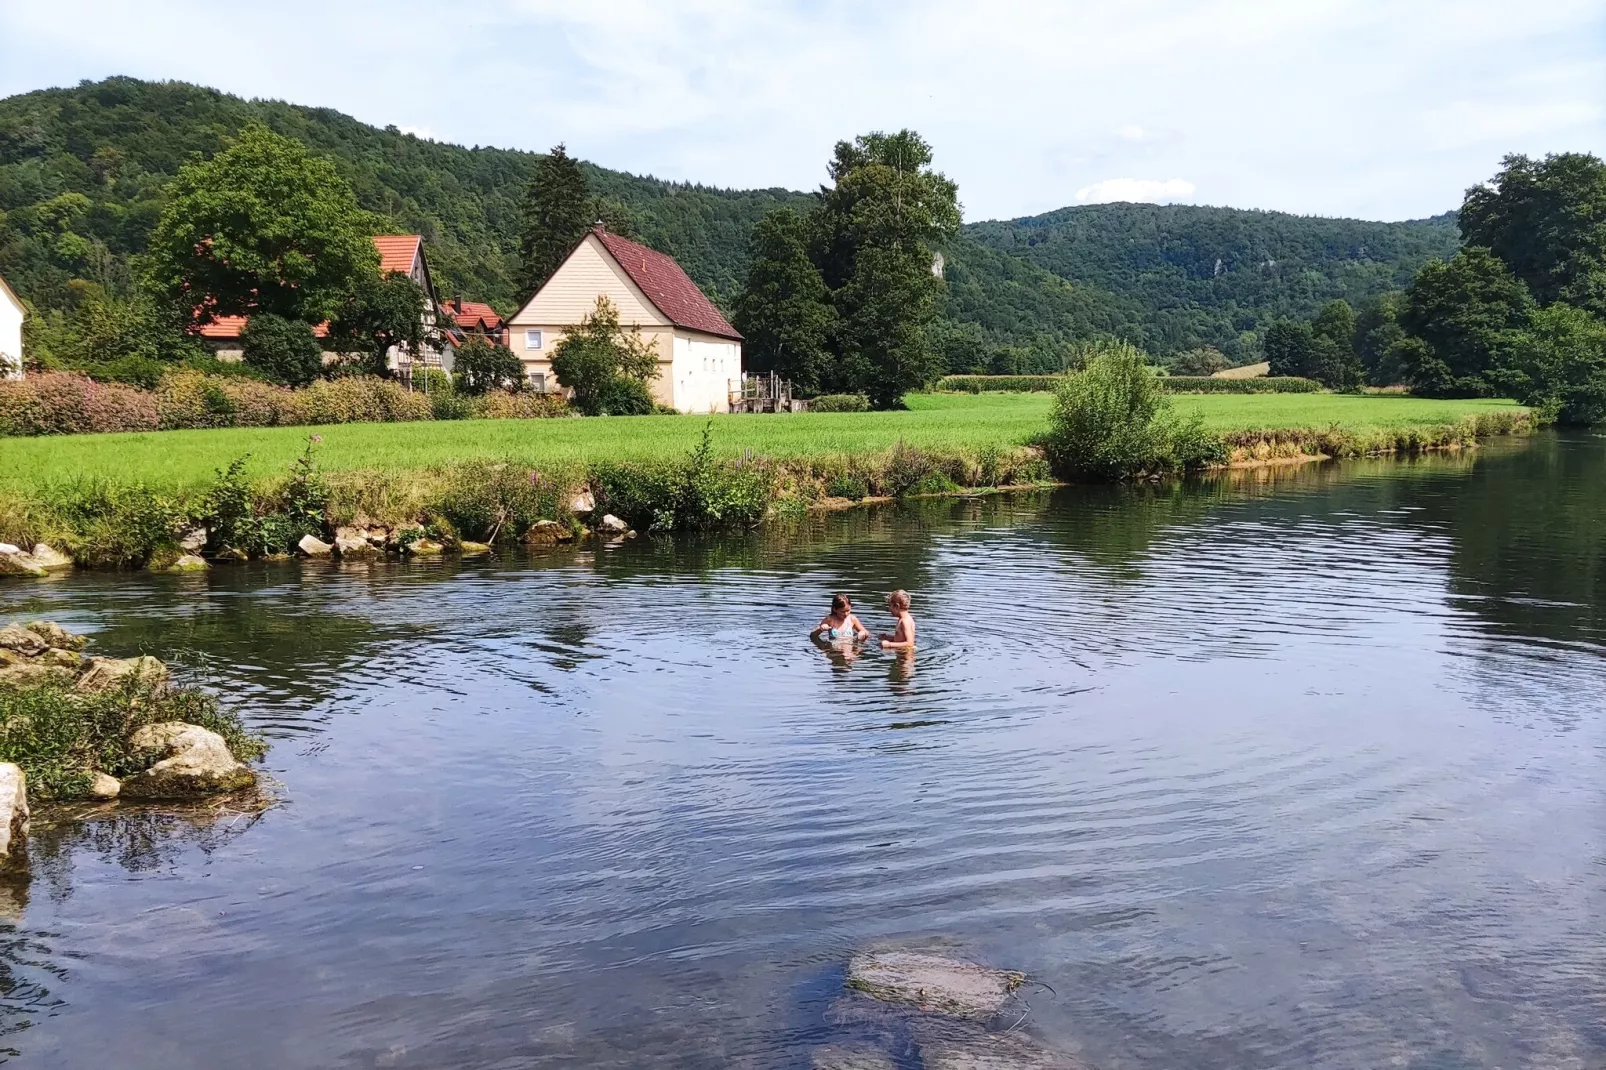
pixel 525 405
pixel 360 399
pixel 482 366
pixel 60 737
pixel 1279 384
pixel 1203 361
pixel 448 405
pixel 700 494
pixel 286 351
pixel 840 403
pixel 115 526
pixel 62 403
pixel 487 501
pixel 605 365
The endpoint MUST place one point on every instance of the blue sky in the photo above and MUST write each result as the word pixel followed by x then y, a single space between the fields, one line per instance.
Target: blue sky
pixel 1383 109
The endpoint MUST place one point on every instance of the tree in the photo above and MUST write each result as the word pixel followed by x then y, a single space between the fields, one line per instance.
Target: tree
pixel 1206 360
pixel 263 226
pixel 483 366
pixel 1377 331
pixel 286 351
pixel 1546 219
pixel 875 230
pixel 1558 365
pixel 380 314
pixel 784 311
pixel 1459 319
pixel 558 210
pixel 1290 347
pixel 605 365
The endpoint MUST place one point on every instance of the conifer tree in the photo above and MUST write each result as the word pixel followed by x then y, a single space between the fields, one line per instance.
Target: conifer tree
pixel 557 213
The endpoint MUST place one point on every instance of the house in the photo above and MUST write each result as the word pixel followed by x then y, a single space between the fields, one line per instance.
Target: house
pixel 699 352
pixel 401 254
pixel 476 318
pixel 10 332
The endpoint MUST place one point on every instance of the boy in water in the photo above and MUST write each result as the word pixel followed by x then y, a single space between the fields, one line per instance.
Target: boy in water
pixel 903 636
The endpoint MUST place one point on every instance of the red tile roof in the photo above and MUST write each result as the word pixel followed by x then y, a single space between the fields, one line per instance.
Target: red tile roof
pixel 226 327
pixel 473 314
pixel 668 287
pixel 397 252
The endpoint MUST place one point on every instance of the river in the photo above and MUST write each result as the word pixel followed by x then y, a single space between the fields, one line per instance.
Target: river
pixel 1292 768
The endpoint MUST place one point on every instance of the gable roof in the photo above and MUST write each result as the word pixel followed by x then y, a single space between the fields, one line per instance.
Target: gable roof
pixel 5 286
pixel 669 288
pixel 473 313
pixel 397 252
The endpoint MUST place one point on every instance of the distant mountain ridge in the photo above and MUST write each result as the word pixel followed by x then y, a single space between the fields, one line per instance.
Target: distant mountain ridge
pixel 82 171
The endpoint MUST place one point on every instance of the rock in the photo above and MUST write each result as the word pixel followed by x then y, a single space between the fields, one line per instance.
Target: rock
pixel 23 640
pixel 196 761
pixel 230 553
pixel 48 557
pixel 13 562
pixel 424 547
pixel 583 503
pixel 932 983
pixel 313 546
pixel 473 549
pixel 840 1057
pixel 13 816
pixel 66 659
pixel 56 635
pixel 36 673
pixel 978 1050
pixel 354 542
pixel 547 533
pixel 398 538
pixel 107 674
pixel 613 524
pixel 189 563
pixel 192 541
pixel 103 786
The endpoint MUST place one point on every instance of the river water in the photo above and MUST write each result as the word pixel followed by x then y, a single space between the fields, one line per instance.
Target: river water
pixel 1297 768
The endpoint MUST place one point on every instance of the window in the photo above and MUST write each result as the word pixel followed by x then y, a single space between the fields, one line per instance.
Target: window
pixel 532 339
pixel 538 380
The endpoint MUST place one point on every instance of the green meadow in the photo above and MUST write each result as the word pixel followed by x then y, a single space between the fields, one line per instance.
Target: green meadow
pixel 952 421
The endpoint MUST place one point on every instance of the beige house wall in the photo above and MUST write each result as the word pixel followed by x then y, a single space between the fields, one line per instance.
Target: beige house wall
pixel 11 315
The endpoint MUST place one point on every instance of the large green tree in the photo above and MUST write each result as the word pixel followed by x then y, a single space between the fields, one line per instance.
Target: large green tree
pixel 379 314
pixel 784 311
pixel 1460 319
pixel 263 226
pixel 1546 219
pixel 558 209
pixel 606 365
pixel 1559 365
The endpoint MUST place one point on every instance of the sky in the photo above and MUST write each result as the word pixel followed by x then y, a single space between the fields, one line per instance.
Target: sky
pixel 1378 109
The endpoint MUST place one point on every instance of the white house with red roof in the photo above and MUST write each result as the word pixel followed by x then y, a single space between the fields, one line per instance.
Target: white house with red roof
pixel 699 352
pixel 11 315
pixel 401 254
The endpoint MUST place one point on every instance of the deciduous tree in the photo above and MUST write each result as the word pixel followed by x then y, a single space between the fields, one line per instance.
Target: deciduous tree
pixel 1460 318
pixel 286 351
pixel 606 366
pixel 482 366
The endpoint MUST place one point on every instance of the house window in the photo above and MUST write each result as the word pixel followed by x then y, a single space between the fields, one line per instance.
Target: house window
pixel 532 339
pixel 538 382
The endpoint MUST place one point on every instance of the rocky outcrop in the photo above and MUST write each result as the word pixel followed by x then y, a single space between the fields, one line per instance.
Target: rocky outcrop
pixel 933 984
pixel 312 546
pixel 351 541
pixel 23 641
pixel 13 816
pixel 15 562
pixel 583 503
pixel 193 541
pixel 547 533
pixel 107 674
pixel 194 761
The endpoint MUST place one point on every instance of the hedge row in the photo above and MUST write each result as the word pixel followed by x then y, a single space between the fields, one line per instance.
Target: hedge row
pixel 62 403
pixel 1175 384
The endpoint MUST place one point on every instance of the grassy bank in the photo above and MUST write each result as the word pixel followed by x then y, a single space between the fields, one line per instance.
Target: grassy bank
pixel 962 423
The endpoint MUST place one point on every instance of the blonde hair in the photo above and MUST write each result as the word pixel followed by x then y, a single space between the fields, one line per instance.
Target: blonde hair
pixel 898 600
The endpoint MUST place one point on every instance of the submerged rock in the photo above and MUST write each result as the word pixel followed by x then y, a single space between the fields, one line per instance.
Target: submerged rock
pixel 196 761
pixel 23 640
pixel 932 983
pixel 14 562
pixel 945 1048
pixel 57 636
pixel 189 563
pixel 13 816
pixel 842 1057
pixel 48 557
pixel 103 786
pixel 107 674
pixel 313 546
pixel 424 547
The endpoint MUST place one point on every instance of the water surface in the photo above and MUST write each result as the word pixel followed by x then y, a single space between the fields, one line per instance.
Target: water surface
pixel 1300 768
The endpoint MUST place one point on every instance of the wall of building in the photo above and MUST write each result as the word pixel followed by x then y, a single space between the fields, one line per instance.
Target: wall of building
pixel 10 336
pixel 704 370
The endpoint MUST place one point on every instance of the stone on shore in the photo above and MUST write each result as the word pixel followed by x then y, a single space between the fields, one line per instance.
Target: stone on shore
pixel 547 533
pixel 425 547
pixel 48 557
pixel 108 674
pixel 195 761
pixel 13 816
pixel 843 1057
pixel 189 563
pixel 57 636
pixel 36 673
pixel 14 562
pixel 103 786
pixel 313 546
pixel 24 641
pixel 66 659
pixel 614 525
pixel 583 503
pixel 193 540
pixel 473 549
pixel 933 984
pixel 353 542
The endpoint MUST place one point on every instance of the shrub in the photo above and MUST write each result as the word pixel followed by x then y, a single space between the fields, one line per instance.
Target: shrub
pixel 1279 384
pixel 850 484
pixel 909 470
pixel 1202 361
pixel 360 399
pixel 117 526
pixel 606 365
pixel 483 366
pixel 448 405
pixel 62 403
pixel 982 384
pixel 60 737
pixel 700 494
pixel 286 351
pixel 487 501
pixel 840 403
pixel 525 405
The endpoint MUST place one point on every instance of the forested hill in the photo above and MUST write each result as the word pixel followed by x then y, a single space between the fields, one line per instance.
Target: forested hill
pixel 118 142
pixel 1196 275
pixel 82 172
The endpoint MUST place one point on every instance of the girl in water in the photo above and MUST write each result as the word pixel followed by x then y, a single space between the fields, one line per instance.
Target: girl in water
pixel 840 625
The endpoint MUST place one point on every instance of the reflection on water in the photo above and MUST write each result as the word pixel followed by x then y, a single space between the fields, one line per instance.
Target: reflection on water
pixel 1288 768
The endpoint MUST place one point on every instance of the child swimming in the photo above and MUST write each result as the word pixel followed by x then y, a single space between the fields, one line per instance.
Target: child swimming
pixel 903 636
pixel 840 625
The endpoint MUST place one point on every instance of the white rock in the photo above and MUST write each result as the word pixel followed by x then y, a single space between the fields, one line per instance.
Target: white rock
pixel 313 546
pixel 107 674
pixel 195 761
pixel 353 541
pixel 103 786
pixel 189 563
pixel 13 562
pixel 582 503
pixel 48 557
pixel 933 983
pixel 613 524
pixel 191 541
pixel 13 816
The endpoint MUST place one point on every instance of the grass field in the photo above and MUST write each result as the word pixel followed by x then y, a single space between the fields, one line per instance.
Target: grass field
pixel 187 458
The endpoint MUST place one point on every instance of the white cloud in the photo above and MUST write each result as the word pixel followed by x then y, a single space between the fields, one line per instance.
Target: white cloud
pixel 1153 190
pixel 1358 107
